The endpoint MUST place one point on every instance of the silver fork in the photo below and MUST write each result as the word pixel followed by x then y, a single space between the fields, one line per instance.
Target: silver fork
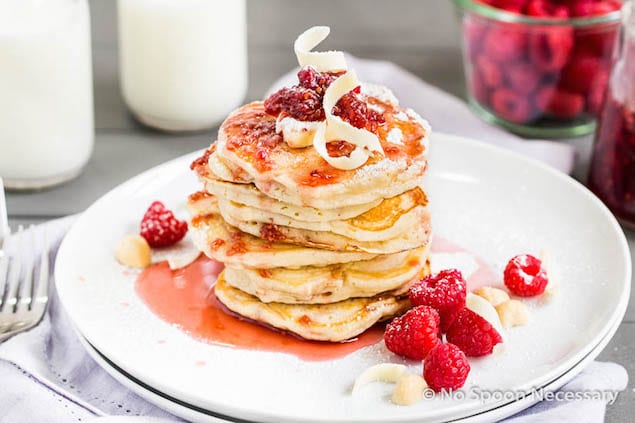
pixel 24 283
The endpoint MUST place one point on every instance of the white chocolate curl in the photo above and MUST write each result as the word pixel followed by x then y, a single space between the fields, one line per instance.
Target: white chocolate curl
pixel 382 372
pixel 322 61
pixel 365 142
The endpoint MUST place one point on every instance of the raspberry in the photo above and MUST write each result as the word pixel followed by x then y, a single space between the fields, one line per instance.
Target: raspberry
pixel 474 335
pixel 523 78
pixel 550 47
pixel 490 72
pixel 538 8
pixel 505 43
pixel 511 106
pixel 516 6
pixel 524 276
pixel 594 8
pixel 545 9
pixel 579 74
pixel 160 228
pixel 581 8
pixel 414 334
pixel 297 102
pixel 560 103
pixel 446 368
pixel 444 291
pixel 311 79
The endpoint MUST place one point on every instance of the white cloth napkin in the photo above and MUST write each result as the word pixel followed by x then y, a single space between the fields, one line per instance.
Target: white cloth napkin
pixel 447 113
pixel 47 376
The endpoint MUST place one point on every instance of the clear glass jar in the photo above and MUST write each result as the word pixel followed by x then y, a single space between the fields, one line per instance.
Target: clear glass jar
pixel 46 92
pixel 183 63
pixel 538 77
pixel 612 170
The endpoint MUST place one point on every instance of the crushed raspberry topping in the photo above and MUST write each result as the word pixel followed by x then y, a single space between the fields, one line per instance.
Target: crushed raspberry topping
pixel 446 368
pixel 525 276
pixel 339 148
pixel 414 334
pixel 160 227
pixel 304 101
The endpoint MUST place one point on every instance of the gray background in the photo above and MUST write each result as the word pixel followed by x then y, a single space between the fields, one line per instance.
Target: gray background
pixel 420 35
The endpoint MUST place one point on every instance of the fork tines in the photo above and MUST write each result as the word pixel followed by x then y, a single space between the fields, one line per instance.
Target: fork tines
pixel 24 281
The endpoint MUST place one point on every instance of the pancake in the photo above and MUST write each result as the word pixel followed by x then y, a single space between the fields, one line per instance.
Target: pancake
pixel 386 274
pixel 224 243
pixel 414 237
pixel 324 322
pixel 395 225
pixel 389 219
pixel 250 150
pixel 249 195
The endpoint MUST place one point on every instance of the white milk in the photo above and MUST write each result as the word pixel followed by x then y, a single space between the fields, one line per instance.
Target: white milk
pixel 183 63
pixel 46 98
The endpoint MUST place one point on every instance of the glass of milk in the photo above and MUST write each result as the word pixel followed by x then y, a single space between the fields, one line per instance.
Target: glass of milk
pixel 46 97
pixel 183 63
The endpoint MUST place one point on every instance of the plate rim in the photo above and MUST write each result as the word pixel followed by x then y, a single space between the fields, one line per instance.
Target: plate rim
pixel 501 411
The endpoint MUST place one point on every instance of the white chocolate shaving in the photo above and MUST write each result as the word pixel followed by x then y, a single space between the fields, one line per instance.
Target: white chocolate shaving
pixel 334 128
pixel 383 372
pixel 322 61
pixel 364 141
pixel 483 308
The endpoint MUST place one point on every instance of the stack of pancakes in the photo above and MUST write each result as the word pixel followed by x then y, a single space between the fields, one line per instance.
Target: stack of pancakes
pixel 317 251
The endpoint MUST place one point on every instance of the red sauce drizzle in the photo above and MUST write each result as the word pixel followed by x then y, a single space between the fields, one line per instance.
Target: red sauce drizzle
pixel 185 298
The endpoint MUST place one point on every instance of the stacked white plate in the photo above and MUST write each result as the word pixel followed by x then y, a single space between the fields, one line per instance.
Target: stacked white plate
pixel 488 200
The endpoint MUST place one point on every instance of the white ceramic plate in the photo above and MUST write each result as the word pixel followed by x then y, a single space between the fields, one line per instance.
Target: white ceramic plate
pixel 196 414
pixel 486 199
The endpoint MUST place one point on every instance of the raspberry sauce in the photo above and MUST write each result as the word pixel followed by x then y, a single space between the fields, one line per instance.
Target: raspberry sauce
pixel 612 172
pixel 185 299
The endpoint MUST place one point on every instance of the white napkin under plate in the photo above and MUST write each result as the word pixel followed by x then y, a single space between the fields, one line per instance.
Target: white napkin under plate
pixel 47 376
pixel 447 113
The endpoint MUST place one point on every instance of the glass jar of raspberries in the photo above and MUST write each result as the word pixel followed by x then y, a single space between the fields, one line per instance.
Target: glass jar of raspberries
pixel 539 67
pixel 612 170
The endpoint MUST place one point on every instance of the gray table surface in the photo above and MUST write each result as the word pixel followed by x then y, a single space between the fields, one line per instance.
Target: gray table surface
pixel 420 35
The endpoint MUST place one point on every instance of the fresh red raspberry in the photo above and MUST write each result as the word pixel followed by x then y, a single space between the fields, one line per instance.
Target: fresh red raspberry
pixel 444 291
pixel 550 47
pixel 414 334
pixel 579 74
pixel 505 43
pixel 474 335
pixel 538 8
pixel 582 8
pixel 511 5
pixel 446 368
pixel 491 73
pixel 560 103
pixel 160 228
pixel 524 276
pixel 546 9
pixel 523 77
pixel 512 106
